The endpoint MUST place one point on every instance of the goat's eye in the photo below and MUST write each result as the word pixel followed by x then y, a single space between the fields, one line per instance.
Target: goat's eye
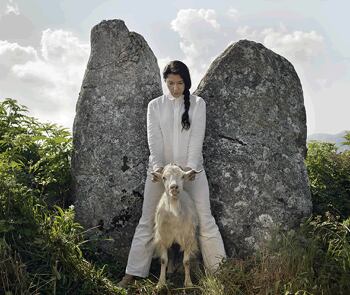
pixel 164 178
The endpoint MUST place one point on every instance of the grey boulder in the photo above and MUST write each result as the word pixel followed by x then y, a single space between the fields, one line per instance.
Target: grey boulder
pixel 255 145
pixel 110 152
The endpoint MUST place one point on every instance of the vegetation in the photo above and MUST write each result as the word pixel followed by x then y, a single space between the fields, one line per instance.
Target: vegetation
pixel 43 250
pixel 40 243
pixel 329 177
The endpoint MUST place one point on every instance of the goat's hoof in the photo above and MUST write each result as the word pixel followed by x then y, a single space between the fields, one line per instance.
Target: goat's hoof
pixel 160 285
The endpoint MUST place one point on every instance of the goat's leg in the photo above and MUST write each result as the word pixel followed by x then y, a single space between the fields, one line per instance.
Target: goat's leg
pixel 186 262
pixel 171 258
pixel 164 262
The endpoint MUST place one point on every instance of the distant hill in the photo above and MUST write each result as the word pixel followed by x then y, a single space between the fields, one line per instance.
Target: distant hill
pixel 333 138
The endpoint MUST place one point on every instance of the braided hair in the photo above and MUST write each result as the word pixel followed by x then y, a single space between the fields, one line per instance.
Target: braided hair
pixel 177 67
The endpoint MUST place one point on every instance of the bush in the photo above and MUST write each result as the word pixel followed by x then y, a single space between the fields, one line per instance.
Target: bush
pixel 329 178
pixel 40 241
pixel 37 154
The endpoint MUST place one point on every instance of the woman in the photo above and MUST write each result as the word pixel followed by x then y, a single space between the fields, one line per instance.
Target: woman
pixel 175 131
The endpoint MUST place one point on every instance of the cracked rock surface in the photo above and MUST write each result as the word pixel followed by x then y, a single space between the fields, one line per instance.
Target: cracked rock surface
pixel 255 145
pixel 110 154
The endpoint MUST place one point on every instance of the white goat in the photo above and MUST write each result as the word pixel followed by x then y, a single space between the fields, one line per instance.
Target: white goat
pixel 176 219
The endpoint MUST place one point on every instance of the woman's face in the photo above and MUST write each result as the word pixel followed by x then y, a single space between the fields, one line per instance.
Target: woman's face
pixel 175 84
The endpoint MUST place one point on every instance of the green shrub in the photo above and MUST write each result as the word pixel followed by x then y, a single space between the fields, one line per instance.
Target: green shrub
pixel 329 177
pixel 38 154
pixel 39 241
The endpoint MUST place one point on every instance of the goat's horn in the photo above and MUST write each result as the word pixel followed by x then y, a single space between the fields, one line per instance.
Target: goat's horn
pixel 195 171
pixel 198 171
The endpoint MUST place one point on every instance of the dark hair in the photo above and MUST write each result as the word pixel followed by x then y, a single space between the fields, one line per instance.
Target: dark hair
pixel 177 67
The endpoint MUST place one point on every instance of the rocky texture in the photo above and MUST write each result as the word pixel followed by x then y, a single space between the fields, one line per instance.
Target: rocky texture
pixel 110 154
pixel 255 145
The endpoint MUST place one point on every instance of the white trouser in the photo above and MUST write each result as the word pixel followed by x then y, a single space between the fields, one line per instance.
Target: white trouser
pixel 210 240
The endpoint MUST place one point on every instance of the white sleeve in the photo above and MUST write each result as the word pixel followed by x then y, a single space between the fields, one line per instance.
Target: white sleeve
pixel 197 135
pixel 154 136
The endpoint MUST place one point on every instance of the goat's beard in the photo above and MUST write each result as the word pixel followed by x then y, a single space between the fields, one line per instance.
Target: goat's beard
pixel 174 193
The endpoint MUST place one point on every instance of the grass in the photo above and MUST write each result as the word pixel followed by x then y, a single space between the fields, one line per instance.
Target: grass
pixel 314 259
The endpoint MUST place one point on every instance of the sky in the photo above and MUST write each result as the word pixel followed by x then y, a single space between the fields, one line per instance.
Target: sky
pixel 45 46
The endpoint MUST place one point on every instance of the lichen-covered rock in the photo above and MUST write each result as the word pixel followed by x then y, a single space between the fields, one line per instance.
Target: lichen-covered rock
pixel 110 154
pixel 255 145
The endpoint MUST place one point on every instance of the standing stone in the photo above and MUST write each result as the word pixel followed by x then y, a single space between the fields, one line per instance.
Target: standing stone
pixel 110 155
pixel 255 145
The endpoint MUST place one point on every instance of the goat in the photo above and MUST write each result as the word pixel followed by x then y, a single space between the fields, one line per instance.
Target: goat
pixel 176 219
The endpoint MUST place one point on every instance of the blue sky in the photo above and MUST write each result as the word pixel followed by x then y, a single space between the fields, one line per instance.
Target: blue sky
pixel 44 46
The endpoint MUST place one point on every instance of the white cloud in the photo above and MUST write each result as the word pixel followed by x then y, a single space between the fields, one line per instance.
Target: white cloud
pixel 298 45
pixel 12 7
pixel 196 17
pixel 233 14
pixel 13 53
pixel 60 46
pixel 200 34
pixel 49 77
pixel 247 32
pixel 16 27
pixel 8 7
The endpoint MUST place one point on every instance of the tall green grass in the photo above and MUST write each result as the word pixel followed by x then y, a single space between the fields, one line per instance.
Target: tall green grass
pixel 40 243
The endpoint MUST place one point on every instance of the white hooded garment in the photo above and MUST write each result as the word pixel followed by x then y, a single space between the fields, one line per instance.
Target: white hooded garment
pixel 167 143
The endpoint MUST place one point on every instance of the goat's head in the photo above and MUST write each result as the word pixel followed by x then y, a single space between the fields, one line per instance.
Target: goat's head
pixel 173 177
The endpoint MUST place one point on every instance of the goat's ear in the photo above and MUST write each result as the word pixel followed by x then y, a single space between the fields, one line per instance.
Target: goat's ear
pixel 190 175
pixel 157 177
